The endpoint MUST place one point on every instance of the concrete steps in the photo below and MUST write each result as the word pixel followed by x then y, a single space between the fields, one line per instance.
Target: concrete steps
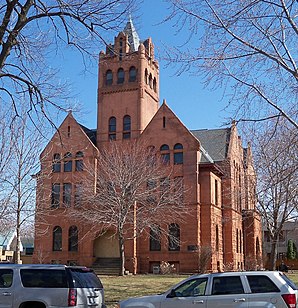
pixel 107 266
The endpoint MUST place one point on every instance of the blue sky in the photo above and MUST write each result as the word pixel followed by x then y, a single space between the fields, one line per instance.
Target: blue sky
pixel 196 106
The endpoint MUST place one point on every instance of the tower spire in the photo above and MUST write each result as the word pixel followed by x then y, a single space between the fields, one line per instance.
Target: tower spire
pixel 133 37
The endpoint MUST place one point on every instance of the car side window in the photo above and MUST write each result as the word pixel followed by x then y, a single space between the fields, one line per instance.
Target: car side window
pixel 261 284
pixel 6 278
pixel 194 287
pixel 43 278
pixel 227 285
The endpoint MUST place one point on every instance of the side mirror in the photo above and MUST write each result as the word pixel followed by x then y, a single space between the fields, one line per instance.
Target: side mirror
pixel 171 294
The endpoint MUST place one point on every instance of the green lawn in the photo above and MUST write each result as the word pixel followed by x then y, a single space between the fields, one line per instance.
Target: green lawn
pixel 118 288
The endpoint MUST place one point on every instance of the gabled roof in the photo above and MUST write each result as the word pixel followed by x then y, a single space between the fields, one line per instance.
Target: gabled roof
pixel 133 37
pixel 214 141
pixel 6 239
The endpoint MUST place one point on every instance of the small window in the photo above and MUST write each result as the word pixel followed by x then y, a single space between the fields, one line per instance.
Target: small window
pixel 112 128
pixel 56 163
pixel 126 127
pixel 79 165
pixel 78 194
pixel 216 238
pixel 164 147
pixel 6 276
pixel 216 192
pixel 79 154
pixel 132 74
pixel 178 154
pixel 146 76
pixel 57 238
pixel 67 162
pixel 154 84
pixel 109 78
pixel 67 194
pixel 261 284
pixel 120 76
pixel 150 81
pixel 73 238
pixel 55 202
pixel 68 166
pixel 155 241
pixel 174 237
pixel 192 288
pixel 227 285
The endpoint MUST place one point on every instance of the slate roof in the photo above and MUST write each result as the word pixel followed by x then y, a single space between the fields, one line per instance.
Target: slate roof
pixel 214 141
pixel 91 133
pixel 133 37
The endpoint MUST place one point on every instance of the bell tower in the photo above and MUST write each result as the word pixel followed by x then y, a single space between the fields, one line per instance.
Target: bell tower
pixel 128 87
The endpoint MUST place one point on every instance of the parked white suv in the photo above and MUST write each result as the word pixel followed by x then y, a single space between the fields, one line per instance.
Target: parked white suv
pixel 49 286
pixel 262 289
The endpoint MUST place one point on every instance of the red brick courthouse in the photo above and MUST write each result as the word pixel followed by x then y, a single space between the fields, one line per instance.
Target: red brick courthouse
pixel 213 163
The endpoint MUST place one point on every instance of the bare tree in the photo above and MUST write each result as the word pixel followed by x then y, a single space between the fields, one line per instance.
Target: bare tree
pixel 250 47
pixel 276 163
pixel 18 186
pixel 33 31
pixel 134 193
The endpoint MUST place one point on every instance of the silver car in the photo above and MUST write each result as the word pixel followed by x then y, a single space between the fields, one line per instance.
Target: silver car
pixel 269 289
pixel 49 286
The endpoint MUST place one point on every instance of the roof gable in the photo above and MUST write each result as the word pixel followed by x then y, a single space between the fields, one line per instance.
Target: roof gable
pixel 167 123
pixel 65 136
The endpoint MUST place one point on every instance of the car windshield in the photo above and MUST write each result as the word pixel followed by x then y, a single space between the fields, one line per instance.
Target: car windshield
pixel 85 278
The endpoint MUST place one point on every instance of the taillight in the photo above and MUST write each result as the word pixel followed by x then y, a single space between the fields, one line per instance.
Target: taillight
pixel 290 300
pixel 72 298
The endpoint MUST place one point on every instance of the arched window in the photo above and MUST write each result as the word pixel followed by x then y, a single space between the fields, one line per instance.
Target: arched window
pixel 146 76
pixel 67 162
pixel 126 127
pixel 79 154
pixel 155 241
pixel 132 74
pixel 164 147
pixel 57 238
pixel 120 76
pixel 174 237
pixel 109 78
pixel 150 81
pixel 154 84
pixel 178 154
pixel 165 153
pixel 216 238
pixel 56 162
pixel 112 128
pixel 73 238
pixel 79 162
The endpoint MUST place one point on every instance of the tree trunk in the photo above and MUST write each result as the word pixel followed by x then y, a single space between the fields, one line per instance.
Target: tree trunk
pixel 122 254
pixel 273 255
pixel 18 241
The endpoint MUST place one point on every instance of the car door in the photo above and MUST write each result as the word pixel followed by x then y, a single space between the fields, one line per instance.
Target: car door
pixel 227 292
pixel 190 294
pixel 6 292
